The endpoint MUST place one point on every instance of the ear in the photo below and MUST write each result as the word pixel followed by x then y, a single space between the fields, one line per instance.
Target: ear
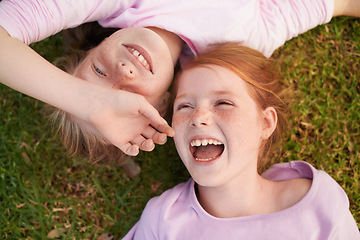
pixel 269 122
pixel 164 104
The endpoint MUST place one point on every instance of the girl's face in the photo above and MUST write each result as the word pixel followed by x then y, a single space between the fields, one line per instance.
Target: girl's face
pixel 132 59
pixel 219 127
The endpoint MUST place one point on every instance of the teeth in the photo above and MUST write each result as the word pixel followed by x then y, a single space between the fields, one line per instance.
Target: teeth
pixel 135 52
pixel 140 58
pixel 204 160
pixel 204 142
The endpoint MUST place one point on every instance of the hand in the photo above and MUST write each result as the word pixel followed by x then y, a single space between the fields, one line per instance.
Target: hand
pixel 125 119
pixel 129 121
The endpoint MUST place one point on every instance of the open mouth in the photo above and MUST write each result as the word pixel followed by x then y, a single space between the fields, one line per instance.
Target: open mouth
pixel 141 55
pixel 205 150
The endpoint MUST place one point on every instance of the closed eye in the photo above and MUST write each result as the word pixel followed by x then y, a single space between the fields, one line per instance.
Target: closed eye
pixel 99 71
pixel 183 106
pixel 224 102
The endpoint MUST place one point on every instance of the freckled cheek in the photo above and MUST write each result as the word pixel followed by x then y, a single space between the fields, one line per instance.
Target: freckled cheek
pixel 231 118
pixel 179 123
pixel 179 120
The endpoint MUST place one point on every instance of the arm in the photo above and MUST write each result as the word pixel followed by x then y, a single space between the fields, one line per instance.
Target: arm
pixel 279 21
pixel 34 20
pixel 24 70
pixel 347 8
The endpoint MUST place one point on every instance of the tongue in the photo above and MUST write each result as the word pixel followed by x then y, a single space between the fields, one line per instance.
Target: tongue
pixel 208 152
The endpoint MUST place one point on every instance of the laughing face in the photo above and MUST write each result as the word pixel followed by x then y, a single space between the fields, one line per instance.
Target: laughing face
pixel 219 127
pixel 132 59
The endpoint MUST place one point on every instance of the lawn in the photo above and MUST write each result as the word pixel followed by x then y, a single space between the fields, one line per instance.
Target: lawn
pixel 42 188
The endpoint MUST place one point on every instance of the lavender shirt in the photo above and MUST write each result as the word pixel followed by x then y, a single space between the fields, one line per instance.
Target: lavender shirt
pixel 323 213
pixel 263 25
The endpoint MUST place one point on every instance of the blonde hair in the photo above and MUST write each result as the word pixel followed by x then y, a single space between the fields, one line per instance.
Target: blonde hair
pixel 262 79
pixel 75 138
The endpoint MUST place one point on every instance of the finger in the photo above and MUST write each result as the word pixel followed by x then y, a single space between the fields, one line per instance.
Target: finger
pixel 145 144
pixel 130 149
pixel 156 120
pixel 151 133
pixel 166 129
pixel 159 138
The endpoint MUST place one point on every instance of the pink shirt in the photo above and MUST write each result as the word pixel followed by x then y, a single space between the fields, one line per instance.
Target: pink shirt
pixel 263 25
pixel 322 214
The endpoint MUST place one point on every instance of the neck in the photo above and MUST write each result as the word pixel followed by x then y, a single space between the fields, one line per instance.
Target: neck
pixel 242 197
pixel 173 41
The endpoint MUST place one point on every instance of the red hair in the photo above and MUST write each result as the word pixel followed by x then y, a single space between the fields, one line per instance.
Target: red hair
pixel 262 79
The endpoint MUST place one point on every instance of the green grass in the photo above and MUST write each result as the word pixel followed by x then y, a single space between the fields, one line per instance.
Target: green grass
pixel 41 188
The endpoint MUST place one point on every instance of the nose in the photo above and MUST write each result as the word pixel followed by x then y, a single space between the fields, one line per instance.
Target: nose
pixel 126 70
pixel 200 117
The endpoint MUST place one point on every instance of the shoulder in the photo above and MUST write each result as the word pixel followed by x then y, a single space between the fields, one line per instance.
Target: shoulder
pixel 309 188
pixel 289 170
pixel 299 171
pixel 292 180
pixel 292 191
pixel 158 209
pixel 300 180
pixel 170 196
pixel 165 204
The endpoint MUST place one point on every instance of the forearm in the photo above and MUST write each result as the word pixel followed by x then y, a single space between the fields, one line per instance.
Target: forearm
pixel 24 70
pixel 347 8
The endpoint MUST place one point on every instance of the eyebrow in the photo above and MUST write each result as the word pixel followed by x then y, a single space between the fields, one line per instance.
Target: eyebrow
pixel 220 92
